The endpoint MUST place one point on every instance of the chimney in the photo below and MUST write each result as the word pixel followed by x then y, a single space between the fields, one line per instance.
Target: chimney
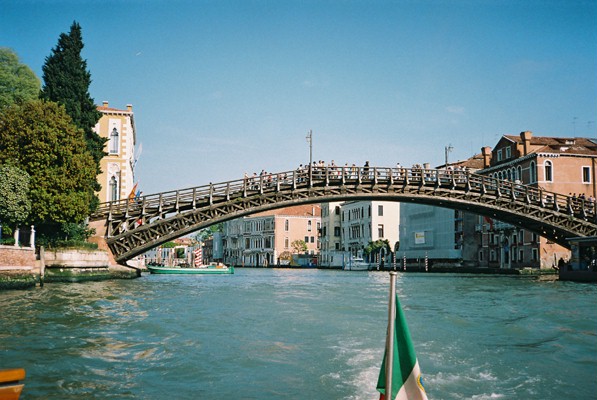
pixel 129 107
pixel 105 103
pixel 526 141
pixel 486 151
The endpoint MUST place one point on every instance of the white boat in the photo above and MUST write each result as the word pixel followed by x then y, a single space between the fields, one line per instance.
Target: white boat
pixel 357 264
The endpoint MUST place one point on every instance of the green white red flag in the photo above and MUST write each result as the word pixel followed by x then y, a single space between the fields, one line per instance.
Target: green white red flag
pixel 406 374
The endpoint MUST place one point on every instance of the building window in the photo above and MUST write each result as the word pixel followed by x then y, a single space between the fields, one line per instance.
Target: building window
pixel 492 256
pixel 521 236
pixel 548 166
pixel 380 211
pixel 309 226
pixel 508 153
pixel 535 254
pixel 286 243
pixel 337 246
pixel 380 231
pixel 114 141
pixel 532 173
pixel 306 239
pixel 312 239
pixel 586 174
pixel 499 155
pixel 520 255
pixel 286 225
pixel 519 173
pixel 513 253
pixel 337 231
pixel 480 255
pixel 337 210
pixel 113 189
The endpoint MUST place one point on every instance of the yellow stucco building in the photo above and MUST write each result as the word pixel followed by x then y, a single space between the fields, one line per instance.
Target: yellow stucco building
pixel 118 166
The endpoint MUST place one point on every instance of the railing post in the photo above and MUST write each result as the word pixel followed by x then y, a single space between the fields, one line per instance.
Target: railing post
pixel 245 182
pixel 278 182
pixel 227 191
pixel 467 176
pixel 327 176
pixel 391 173
pixel 359 176
pixel 310 176
pixel 343 176
pixel 294 180
pixel 194 198
pixel 177 206
pixel 375 176
pixel 211 193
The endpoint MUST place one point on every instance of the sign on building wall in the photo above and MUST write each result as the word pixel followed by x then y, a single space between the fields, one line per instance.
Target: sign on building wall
pixel 420 237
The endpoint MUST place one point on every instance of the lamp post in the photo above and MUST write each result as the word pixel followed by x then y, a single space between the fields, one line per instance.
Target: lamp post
pixel 447 149
pixel 309 138
pixel 310 141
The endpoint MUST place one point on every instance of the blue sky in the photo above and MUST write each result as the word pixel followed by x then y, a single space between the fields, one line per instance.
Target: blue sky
pixel 220 88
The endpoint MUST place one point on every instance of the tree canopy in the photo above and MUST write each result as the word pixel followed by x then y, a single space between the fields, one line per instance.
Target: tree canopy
pixel 40 138
pixel 299 246
pixel 66 81
pixel 15 205
pixel 18 83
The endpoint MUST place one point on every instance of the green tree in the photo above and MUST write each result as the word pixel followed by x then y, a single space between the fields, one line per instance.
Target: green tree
pixel 15 205
pixel 208 232
pixel 40 138
pixel 18 83
pixel 376 246
pixel 299 246
pixel 66 81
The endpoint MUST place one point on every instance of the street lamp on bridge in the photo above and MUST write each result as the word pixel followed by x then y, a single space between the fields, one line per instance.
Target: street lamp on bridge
pixel 447 150
pixel 309 138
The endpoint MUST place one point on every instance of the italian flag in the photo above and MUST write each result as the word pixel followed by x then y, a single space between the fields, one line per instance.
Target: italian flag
pixel 406 374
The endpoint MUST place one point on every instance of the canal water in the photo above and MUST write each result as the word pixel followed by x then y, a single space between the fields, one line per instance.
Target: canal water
pixel 299 334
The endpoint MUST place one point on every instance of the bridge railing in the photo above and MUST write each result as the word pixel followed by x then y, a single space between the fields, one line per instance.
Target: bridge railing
pixel 306 177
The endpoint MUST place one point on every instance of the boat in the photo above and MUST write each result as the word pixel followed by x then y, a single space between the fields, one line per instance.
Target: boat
pixel 357 264
pixel 209 269
pixel 10 383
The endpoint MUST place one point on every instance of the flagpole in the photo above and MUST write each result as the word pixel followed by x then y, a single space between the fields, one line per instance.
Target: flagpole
pixel 390 336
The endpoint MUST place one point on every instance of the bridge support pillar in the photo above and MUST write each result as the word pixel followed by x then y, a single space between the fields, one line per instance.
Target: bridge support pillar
pixel 99 238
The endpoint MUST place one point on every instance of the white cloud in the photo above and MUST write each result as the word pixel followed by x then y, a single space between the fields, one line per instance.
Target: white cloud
pixel 456 110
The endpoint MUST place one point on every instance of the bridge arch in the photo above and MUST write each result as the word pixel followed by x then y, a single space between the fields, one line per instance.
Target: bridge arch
pixel 132 227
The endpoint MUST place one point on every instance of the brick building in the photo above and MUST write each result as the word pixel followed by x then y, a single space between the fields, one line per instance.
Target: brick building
pixel 560 164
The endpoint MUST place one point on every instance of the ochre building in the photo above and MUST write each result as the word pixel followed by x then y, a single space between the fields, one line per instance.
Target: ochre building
pixel 118 166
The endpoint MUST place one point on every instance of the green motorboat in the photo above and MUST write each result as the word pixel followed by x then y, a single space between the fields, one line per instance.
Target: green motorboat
pixel 209 269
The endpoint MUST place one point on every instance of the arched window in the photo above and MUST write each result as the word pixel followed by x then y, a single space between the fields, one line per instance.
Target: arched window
pixel 519 173
pixel 114 141
pixel 509 175
pixel 113 189
pixel 548 171
pixel 532 173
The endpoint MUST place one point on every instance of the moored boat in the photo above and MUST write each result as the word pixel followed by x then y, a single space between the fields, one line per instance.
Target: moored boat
pixel 357 264
pixel 209 269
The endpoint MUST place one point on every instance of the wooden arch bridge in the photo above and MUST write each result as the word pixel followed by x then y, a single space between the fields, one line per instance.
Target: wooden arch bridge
pixel 131 227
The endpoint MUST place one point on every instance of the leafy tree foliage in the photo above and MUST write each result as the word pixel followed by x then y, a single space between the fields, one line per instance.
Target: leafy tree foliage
pixel 206 233
pixel 15 205
pixel 299 246
pixel 66 81
pixel 40 138
pixel 376 246
pixel 18 83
